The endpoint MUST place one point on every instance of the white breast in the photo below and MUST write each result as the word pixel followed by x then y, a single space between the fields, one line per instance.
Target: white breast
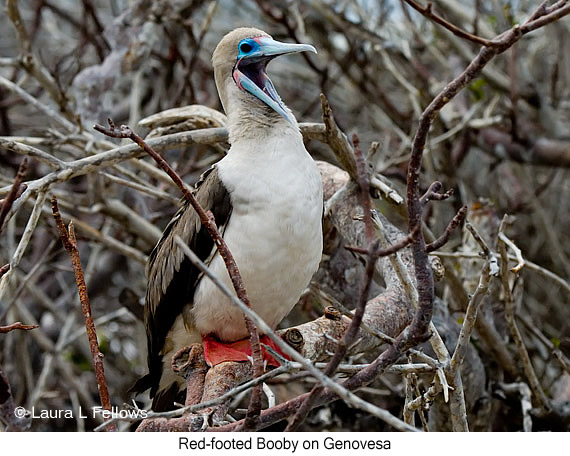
pixel 274 233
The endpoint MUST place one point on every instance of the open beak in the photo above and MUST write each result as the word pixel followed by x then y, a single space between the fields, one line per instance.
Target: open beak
pixel 249 71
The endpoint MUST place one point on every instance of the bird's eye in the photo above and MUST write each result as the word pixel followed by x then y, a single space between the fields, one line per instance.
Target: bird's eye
pixel 245 47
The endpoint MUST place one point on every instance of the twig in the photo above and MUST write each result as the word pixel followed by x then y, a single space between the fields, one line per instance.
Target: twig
pixel 287 367
pixel 432 193
pixel 410 383
pixel 486 250
pixel 528 369
pixel 9 200
pixel 469 320
pixel 17 325
pixel 70 243
pixel 457 403
pixel 518 254
pixel 380 335
pixel 455 222
pixel 528 264
pixel 16 146
pixel 24 241
pixel 45 109
pixel 380 252
pixel 209 223
pixel 564 361
pixel 425 399
pixel 30 62
pixel 427 12
pixel 338 141
pixel 363 180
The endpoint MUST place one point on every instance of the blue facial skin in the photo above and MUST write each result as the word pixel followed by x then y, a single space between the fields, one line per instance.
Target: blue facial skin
pixel 248 47
pixel 249 71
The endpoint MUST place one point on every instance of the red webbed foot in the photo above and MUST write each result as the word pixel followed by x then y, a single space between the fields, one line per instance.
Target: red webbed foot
pixel 216 352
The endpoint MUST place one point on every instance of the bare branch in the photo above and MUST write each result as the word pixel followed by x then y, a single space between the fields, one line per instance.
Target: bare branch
pixel 6 204
pixel 70 243
pixel 427 12
pixel 17 325
pixel 455 222
pixel 531 376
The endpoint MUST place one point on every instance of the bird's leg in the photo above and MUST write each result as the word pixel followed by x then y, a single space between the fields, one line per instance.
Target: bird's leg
pixel 216 352
pixel 189 363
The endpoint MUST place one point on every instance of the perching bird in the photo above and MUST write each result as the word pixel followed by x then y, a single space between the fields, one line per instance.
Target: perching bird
pixel 266 197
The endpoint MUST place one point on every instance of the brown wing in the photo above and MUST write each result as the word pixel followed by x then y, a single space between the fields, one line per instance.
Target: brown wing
pixel 172 278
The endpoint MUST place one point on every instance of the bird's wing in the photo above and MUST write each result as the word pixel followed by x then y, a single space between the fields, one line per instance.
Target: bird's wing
pixel 171 276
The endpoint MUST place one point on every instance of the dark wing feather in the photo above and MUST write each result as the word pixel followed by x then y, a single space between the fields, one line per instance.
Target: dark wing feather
pixel 171 277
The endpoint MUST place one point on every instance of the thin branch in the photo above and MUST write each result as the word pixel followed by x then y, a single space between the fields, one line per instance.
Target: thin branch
pixel 432 193
pixel 17 325
pixel 528 369
pixel 427 12
pixel 486 250
pixel 24 241
pixel 31 63
pixel 455 222
pixel 380 252
pixel 70 243
pixel 338 142
pixel 554 13
pixel 518 254
pixel 470 318
pixel 49 112
pixel 14 191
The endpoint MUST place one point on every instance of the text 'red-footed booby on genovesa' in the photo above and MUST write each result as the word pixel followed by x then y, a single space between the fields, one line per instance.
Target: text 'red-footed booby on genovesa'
pixel 266 197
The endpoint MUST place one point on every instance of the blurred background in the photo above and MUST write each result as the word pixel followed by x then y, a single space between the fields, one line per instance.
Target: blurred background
pixel 503 145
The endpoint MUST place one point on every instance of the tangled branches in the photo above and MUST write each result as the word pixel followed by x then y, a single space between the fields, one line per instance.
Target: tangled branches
pixel 374 318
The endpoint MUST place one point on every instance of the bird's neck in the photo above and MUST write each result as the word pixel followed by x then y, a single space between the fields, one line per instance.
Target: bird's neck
pixel 251 119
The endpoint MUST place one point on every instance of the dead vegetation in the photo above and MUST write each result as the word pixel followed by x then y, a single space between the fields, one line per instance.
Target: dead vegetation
pixel 429 105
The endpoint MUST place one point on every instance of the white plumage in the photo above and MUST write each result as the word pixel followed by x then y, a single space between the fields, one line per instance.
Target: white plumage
pixel 274 231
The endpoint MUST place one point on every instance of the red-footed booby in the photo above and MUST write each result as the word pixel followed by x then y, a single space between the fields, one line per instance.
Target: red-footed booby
pixel 266 197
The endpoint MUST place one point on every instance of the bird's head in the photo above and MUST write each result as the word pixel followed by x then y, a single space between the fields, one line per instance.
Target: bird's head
pixel 240 62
